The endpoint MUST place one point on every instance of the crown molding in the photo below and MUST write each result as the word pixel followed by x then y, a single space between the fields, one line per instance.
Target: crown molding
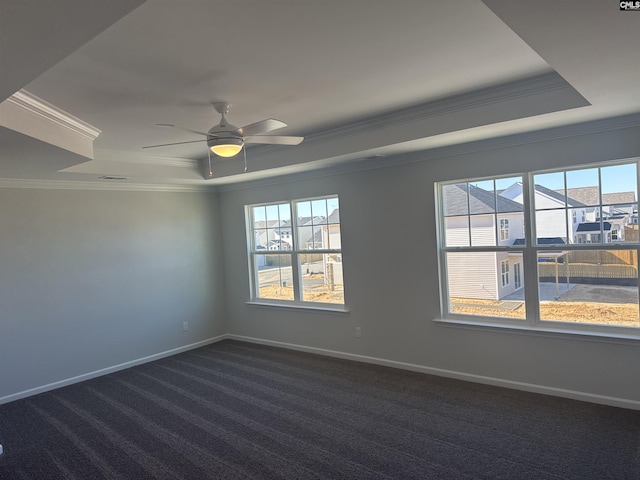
pixel 497 94
pixel 29 115
pixel 37 106
pixel 105 185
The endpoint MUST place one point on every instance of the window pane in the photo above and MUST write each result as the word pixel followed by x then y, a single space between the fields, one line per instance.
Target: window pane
pixel 549 190
pixel 483 230
pixel 593 232
pixel 455 200
pixel 275 279
pixel 322 278
pixel 333 207
pixel 589 286
pixel 260 238
pixel 551 227
pixel 259 216
pixel 619 198
pixel 511 229
pixel 333 236
pixel 456 231
pixel 273 214
pixel 310 237
pixel 619 179
pixel 484 284
pixel 510 195
pixel 583 187
pixel 284 213
pixel 482 197
pixel 319 211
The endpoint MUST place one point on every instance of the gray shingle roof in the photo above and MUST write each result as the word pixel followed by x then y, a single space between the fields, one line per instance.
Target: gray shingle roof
pixel 559 195
pixel 591 196
pixel 542 241
pixel 479 201
pixel 594 227
pixel 334 217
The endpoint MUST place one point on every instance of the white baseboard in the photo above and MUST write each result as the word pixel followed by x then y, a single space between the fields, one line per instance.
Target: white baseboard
pixel 105 371
pixel 469 377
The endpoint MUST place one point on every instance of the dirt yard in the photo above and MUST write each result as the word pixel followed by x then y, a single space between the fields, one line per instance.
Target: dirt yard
pixel 323 295
pixel 579 312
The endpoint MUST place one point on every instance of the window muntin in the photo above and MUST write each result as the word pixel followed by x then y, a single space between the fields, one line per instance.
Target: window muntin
pixel 283 268
pixel 584 222
pixel 476 213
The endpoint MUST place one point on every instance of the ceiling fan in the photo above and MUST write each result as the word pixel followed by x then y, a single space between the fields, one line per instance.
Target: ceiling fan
pixel 226 140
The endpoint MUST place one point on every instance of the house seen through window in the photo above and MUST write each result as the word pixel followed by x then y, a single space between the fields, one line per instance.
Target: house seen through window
pixel 295 251
pixel 577 236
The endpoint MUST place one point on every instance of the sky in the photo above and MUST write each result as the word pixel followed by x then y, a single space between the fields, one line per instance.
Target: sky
pixel 614 178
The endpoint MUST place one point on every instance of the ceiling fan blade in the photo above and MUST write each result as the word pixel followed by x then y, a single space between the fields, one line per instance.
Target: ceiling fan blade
pixel 170 125
pixel 176 143
pixel 260 127
pixel 273 139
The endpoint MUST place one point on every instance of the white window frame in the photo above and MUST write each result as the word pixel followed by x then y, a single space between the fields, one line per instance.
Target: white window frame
pixel 529 263
pixel 293 251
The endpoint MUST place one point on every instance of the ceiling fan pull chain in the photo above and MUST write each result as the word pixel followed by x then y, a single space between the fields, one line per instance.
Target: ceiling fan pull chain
pixel 244 150
pixel 210 171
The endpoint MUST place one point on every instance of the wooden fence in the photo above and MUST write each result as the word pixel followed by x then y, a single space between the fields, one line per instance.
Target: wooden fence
pixel 609 274
pixel 604 257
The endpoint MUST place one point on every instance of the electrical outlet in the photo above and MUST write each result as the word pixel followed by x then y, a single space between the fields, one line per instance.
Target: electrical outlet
pixel 185 326
pixel 358 332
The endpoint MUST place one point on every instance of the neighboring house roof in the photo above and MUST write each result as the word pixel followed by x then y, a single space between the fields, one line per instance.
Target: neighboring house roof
pixel 542 241
pixel 594 227
pixel 619 197
pixel 591 196
pixel 265 224
pixel 479 201
pixel 559 196
pixel 334 217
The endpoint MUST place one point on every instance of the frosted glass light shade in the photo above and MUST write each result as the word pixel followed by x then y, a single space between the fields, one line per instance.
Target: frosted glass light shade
pixel 226 149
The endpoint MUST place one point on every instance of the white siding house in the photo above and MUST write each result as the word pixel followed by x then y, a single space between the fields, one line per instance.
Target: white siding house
pixel 477 217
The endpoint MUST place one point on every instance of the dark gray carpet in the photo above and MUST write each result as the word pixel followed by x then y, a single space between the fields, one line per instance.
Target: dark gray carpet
pixel 234 410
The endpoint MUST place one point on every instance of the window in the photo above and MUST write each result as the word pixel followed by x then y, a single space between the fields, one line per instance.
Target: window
pixel 516 276
pixel 303 264
pixel 504 266
pixel 584 275
pixel 504 229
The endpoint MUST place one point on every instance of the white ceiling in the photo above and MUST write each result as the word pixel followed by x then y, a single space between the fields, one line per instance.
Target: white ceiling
pixel 357 78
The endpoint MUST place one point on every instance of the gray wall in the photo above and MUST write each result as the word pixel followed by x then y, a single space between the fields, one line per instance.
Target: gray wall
pixel 94 279
pixel 391 280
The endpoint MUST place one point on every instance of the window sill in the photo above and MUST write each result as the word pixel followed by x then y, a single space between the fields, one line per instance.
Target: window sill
pixel 304 308
pixel 544 331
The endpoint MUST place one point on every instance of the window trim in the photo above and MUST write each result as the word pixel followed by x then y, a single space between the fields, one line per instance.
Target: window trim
pixel 294 254
pixel 532 322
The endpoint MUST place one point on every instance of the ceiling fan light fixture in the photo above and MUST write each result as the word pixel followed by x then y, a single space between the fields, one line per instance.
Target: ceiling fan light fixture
pixel 226 147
